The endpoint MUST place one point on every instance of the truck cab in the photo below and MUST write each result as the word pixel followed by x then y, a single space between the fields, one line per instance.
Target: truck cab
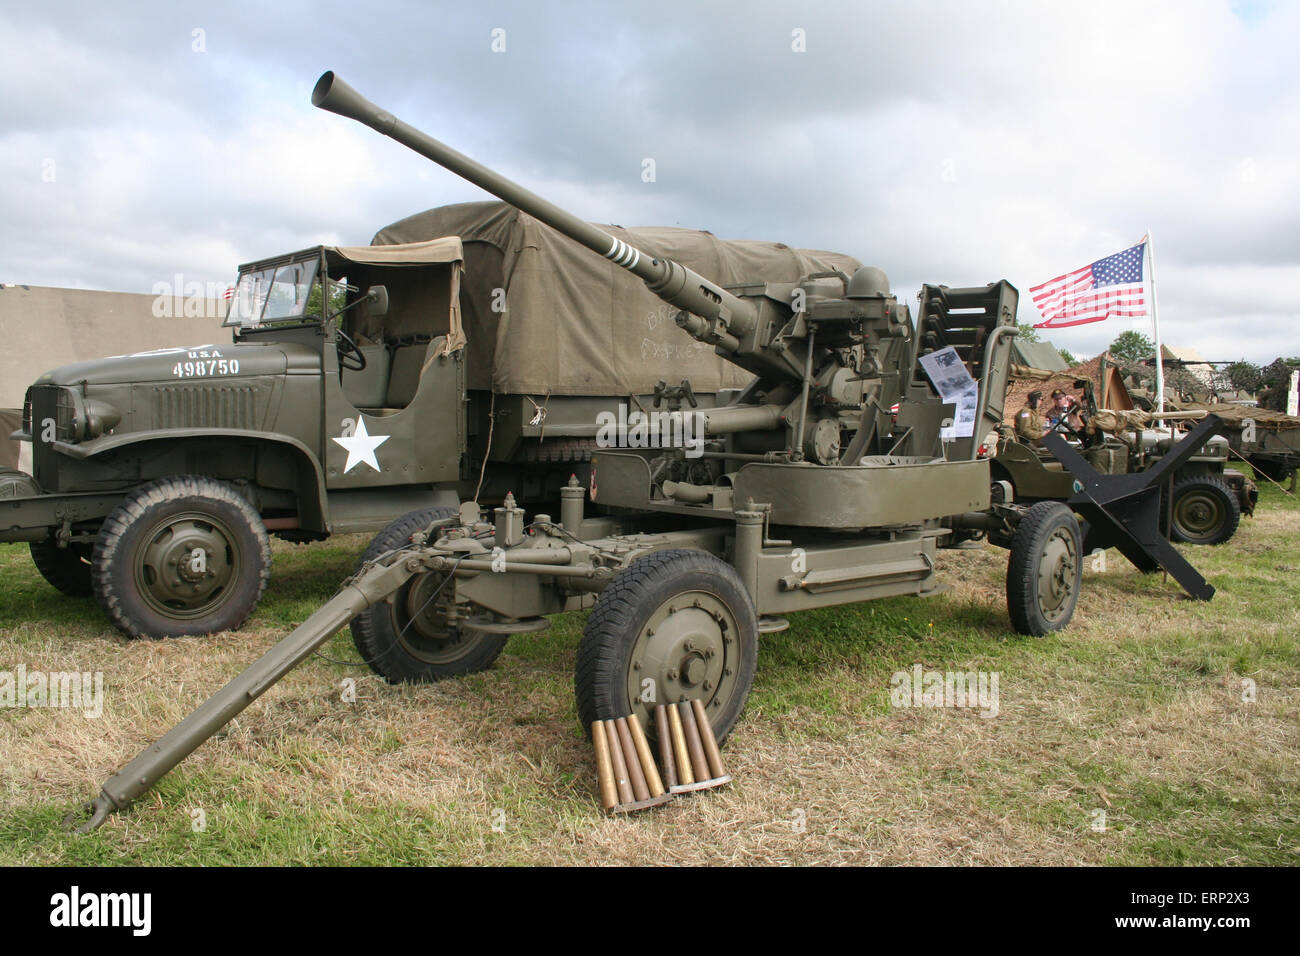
pixel 386 347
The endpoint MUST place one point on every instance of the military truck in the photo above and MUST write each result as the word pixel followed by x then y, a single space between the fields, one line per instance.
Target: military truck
pixel 1269 441
pixel 1207 497
pixel 1265 438
pixel 463 355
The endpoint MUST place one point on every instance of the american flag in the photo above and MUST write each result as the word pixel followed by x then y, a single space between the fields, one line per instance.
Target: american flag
pixel 1109 286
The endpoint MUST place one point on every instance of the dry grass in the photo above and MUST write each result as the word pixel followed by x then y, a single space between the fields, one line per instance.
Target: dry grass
pixel 1136 710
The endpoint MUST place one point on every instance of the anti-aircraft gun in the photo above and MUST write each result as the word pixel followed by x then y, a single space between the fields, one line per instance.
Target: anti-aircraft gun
pixel 856 451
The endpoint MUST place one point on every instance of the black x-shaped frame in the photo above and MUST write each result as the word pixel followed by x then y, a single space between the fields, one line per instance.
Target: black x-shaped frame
pixel 1123 511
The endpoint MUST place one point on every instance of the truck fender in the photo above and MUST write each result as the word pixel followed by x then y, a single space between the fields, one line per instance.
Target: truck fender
pixel 314 505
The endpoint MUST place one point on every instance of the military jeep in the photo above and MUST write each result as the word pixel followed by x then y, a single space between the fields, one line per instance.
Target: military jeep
pixel 1205 500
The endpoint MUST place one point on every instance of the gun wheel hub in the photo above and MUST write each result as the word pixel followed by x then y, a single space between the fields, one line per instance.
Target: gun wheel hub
pixel 420 619
pixel 688 649
pixel 1056 575
pixel 187 565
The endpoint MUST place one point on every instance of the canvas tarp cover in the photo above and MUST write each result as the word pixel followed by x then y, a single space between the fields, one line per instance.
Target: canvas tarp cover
pixel 573 322
pixel 442 249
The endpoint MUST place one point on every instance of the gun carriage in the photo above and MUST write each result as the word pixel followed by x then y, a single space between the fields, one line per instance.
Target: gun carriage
pixel 833 476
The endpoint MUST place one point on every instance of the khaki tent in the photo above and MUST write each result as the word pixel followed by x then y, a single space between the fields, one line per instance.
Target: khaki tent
pixel 1037 355
pixel 1191 361
pixel 543 314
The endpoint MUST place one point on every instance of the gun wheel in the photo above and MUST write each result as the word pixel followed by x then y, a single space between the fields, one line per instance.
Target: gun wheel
pixel 674 625
pixel 1205 511
pixel 67 569
pixel 181 556
pixel 1045 569
pixel 410 639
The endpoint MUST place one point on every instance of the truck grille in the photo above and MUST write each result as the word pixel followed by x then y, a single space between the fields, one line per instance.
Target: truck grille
pixel 49 402
pixel 205 406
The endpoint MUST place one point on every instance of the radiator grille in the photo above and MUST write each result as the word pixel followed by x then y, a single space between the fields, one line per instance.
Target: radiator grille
pixel 205 406
pixel 44 402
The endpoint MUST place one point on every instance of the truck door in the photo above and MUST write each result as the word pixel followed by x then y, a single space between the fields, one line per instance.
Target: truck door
pixel 395 385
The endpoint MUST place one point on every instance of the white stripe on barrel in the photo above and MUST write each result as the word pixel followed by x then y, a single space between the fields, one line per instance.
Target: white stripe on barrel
pixel 623 254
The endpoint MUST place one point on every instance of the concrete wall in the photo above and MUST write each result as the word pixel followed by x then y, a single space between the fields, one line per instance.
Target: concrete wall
pixel 42 328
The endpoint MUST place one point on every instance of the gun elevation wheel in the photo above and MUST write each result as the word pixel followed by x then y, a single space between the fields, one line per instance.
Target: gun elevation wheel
pixel 674 625
pixel 1205 511
pixel 181 556
pixel 409 639
pixel 1045 569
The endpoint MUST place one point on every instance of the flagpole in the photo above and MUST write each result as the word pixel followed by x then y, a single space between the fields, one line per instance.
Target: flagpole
pixel 1155 328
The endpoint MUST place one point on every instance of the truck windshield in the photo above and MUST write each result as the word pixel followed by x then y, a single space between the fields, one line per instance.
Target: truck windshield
pixel 274 295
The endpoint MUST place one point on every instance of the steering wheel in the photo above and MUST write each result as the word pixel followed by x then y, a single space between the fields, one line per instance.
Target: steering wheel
pixel 350 355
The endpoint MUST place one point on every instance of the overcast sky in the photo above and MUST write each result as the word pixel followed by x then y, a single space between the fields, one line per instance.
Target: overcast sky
pixel 955 142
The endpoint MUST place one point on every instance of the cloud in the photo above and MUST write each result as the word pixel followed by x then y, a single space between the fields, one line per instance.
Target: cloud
pixel 945 142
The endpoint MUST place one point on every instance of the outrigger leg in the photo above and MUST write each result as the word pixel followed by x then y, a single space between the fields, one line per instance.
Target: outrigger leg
pixel 370 586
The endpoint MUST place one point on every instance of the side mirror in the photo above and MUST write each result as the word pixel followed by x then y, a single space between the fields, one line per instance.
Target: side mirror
pixel 377 300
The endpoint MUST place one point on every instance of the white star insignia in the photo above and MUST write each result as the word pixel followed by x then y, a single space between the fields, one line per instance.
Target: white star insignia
pixel 361 447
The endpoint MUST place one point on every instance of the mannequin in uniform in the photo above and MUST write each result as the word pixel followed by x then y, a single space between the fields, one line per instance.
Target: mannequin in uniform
pixel 1065 408
pixel 1030 425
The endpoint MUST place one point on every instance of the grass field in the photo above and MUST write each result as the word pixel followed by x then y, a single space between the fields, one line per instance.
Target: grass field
pixel 1133 719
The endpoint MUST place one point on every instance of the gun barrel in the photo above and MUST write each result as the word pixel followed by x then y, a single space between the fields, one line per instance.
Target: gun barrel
pixel 671 281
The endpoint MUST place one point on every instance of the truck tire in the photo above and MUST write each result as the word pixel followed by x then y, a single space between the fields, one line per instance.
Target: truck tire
pixel 1272 469
pixel 1205 511
pixel 181 556
pixel 407 640
pixel 67 569
pixel 680 618
pixel 1045 569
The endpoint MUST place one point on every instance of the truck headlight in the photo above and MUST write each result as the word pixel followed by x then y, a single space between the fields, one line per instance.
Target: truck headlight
pixel 58 413
pixel 95 418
